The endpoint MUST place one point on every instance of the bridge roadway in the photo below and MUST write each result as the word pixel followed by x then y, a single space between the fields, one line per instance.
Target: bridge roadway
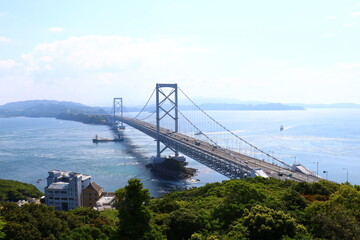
pixel 227 162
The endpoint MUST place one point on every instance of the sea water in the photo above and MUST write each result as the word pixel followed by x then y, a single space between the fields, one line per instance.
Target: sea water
pixel 320 139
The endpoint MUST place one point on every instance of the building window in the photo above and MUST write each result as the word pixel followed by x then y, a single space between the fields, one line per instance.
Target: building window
pixel 63 198
pixel 57 198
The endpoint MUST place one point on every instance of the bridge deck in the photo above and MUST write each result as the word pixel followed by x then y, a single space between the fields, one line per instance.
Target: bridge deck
pixel 225 161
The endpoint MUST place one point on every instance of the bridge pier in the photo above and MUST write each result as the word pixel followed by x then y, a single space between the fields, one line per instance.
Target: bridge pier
pixel 161 159
pixel 118 108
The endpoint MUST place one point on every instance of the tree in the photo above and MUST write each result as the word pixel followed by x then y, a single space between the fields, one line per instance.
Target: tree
pixel 337 218
pixel 183 223
pixel 266 223
pixel 2 224
pixel 134 217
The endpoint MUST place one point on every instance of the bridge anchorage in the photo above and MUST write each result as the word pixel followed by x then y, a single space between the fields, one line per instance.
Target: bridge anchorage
pixel 201 146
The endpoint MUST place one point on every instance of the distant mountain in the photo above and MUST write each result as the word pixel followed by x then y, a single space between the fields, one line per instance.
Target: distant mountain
pixel 218 106
pixel 46 108
pixel 268 106
pixel 335 105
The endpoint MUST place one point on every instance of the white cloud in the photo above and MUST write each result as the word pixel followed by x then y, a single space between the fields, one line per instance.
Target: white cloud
pixel 330 17
pixel 89 68
pixel 355 14
pixel 2 14
pixel 56 29
pixel 349 24
pixel 8 64
pixel 5 40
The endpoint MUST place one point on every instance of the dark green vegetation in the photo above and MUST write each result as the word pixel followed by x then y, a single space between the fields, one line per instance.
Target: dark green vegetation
pixel 254 208
pixel 38 221
pixel 13 191
pixel 48 108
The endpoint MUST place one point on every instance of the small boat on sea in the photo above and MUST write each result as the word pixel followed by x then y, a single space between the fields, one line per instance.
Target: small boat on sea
pixel 116 139
pixel 281 128
pixel 198 133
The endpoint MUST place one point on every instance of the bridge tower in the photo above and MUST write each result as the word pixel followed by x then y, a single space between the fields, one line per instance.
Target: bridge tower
pixel 118 108
pixel 162 99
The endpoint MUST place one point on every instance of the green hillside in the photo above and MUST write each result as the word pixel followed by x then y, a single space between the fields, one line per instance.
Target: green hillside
pixel 254 208
pixel 11 190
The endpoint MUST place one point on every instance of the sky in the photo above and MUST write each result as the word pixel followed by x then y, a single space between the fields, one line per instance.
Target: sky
pixel 287 51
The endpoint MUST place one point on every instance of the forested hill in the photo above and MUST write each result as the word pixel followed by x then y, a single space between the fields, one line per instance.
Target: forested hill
pixel 13 191
pixel 253 208
pixel 46 108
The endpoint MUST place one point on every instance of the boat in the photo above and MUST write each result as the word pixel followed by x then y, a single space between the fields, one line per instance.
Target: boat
pixel 116 139
pixel 198 133
pixel 281 128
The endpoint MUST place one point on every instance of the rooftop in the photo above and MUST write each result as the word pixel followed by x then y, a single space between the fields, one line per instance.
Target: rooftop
pixel 95 186
pixel 58 185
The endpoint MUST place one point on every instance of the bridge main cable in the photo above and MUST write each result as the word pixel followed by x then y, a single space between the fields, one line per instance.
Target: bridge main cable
pixel 241 139
pixel 145 104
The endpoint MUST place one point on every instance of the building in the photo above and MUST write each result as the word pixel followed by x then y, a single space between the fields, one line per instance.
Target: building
pixel 106 201
pixel 91 194
pixel 64 189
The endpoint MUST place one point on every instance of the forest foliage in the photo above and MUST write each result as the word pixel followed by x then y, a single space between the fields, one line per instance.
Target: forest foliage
pixel 253 208
pixel 13 191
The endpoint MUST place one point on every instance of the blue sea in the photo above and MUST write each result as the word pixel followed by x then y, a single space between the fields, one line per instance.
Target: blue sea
pixel 320 139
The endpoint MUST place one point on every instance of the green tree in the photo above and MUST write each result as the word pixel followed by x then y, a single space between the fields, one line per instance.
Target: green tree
pixel 134 216
pixel 2 224
pixel 293 200
pixel 265 223
pixel 337 218
pixel 183 223
pixel 85 232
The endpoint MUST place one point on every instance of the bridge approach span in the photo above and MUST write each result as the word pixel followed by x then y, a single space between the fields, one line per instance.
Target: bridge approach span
pixel 227 162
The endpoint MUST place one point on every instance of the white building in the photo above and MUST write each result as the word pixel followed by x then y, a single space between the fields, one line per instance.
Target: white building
pixel 64 189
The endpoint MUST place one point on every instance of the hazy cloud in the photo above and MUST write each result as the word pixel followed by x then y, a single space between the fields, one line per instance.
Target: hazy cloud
pixel 56 29
pixel 329 34
pixel 8 64
pixel 330 17
pixel 4 40
pixel 99 66
pixel 348 66
pixel 355 14
pixel 349 24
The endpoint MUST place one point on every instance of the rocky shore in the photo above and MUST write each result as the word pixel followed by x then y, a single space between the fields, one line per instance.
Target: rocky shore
pixel 172 170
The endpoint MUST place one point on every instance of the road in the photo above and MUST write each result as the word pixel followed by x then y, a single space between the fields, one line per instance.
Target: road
pixel 230 156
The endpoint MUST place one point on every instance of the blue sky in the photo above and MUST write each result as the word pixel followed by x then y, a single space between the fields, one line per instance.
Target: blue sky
pixel 91 51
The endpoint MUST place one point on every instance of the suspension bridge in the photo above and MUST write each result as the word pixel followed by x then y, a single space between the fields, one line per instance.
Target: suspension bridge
pixel 193 132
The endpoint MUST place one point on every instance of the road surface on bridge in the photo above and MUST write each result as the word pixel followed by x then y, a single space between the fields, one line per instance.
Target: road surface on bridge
pixel 230 156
